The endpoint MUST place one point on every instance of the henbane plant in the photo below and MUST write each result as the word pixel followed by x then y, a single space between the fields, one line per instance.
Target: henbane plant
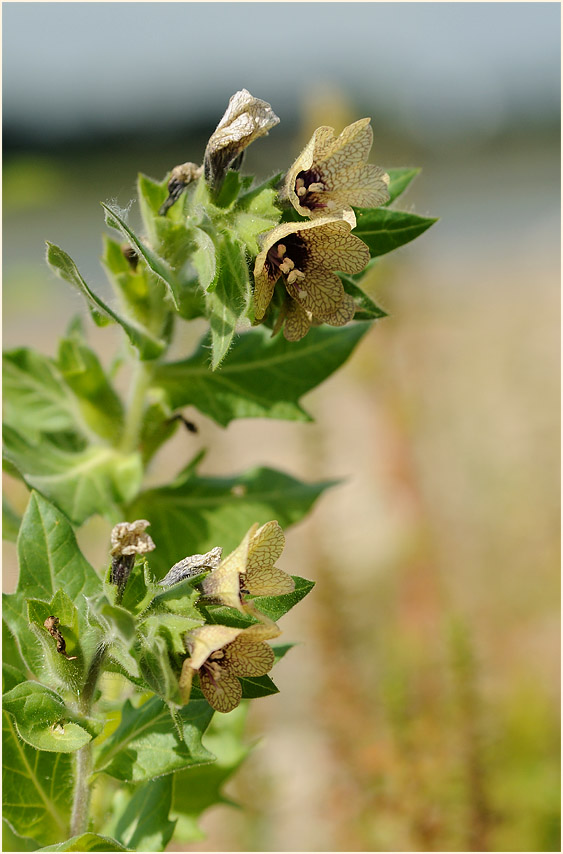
pixel 117 680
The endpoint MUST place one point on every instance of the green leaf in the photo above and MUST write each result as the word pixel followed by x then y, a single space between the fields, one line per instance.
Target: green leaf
pixel 96 480
pixel 204 259
pixel 151 195
pixel 37 801
pixel 384 230
pixel 255 213
pixel 158 426
pixel 49 560
pixel 195 514
pixel 154 262
pixel 58 670
pixel 11 521
pixel 146 744
pixel 199 788
pixel 273 606
pixel 35 398
pixel 101 407
pixel 63 266
pixel 262 377
pixel 400 180
pixel 144 825
pixel 228 302
pixel 13 842
pixel 230 189
pixel 88 842
pixel 366 309
pixel 140 293
pixel 14 669
pixel 42 719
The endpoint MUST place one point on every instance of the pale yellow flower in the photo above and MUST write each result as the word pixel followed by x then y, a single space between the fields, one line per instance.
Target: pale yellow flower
pixel 220 654
pixel 246 118
pixel 250 569
pixel 332 174
pixel 305 254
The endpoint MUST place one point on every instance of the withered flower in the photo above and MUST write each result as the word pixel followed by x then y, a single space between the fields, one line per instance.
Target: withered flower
pixel 332 174
pixel 192 565
pixel 250 569
pixel 305 254
pixel 180 177
pixel 127 540
pixel 220 654
pixel 246 118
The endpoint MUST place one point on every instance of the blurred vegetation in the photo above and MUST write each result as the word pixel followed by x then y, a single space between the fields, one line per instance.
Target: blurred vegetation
pixel 428 714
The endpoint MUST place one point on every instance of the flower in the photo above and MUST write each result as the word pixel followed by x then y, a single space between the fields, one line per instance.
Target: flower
pixel 192 565
pixel 129 538
pixel 331 174
pixel 220 654
pixel 250 569
pixel 246 118
pixel 180 177
pixel 305 254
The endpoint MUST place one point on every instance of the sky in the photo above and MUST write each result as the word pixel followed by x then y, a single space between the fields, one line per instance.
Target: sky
pixel 76 68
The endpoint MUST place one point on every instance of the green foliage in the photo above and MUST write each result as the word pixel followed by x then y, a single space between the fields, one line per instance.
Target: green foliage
pixel 88 842
pixel 93 662
pixel 261 377
pixel 37 792
pixel 384 230
pixel 194 513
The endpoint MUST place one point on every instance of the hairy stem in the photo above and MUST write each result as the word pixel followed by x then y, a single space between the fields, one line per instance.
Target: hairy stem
pixel 137 400
pixel 83 766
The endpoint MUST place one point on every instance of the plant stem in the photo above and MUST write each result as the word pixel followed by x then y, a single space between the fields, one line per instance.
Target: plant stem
pixel 131 429
pixel 83 767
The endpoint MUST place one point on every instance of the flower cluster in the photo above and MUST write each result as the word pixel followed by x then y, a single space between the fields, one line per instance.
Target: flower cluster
pixel 328 177
pixel 219 655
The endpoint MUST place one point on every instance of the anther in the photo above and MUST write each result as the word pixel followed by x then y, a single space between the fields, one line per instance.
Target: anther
pixel 294 275
pixel 287 265
pixel 281 250
pixel 316 188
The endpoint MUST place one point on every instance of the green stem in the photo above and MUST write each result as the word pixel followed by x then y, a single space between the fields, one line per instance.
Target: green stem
pixel 137 401
pixel 83 766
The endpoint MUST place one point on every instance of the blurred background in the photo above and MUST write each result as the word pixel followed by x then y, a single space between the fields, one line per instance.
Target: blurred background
pixel 420 711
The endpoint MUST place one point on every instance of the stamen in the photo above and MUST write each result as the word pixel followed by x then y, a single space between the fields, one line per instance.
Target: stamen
pixel 294 275
pixel 281 250
pixel 287 265
pixel 299 184
pixel 302 191
pixel 316 188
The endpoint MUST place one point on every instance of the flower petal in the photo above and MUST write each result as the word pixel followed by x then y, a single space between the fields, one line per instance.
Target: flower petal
pixel 351 147
pixel 203 641
pixel 223 693
pixel 268 581
pixel 246 658
pixel 364 186
pixel 320 292
pixel 335 248
pixel 185 682
pixel 223 584
pixel 344 313
pixel 297 321
pixel 265 546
